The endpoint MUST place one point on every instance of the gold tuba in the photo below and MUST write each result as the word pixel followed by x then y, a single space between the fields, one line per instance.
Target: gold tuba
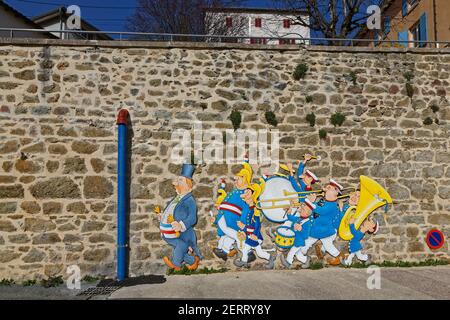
pixel 372 196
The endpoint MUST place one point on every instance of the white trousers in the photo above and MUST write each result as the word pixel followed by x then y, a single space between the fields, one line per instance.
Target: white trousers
pixel 259 252
pixel 361 256
pixel 327 243
pixel 221 241
pixel 230 237
pixel 296 252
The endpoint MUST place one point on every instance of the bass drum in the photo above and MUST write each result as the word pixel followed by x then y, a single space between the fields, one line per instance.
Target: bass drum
pixel 274 189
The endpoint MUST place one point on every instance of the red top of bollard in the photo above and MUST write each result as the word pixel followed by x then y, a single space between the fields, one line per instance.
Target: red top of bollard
pixel 122 117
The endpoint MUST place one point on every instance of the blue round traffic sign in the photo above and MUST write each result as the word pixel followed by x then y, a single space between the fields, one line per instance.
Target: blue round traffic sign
pixel 435 239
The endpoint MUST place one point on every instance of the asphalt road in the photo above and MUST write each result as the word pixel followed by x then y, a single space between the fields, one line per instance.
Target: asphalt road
pixel 328 283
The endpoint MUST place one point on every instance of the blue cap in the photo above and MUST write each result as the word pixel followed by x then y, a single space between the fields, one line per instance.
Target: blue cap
pixel 187 170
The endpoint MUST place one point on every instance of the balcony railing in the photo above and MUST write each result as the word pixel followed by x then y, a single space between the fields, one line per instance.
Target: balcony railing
pixel 172 37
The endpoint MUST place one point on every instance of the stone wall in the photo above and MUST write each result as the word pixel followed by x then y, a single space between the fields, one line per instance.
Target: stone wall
pixel 58 105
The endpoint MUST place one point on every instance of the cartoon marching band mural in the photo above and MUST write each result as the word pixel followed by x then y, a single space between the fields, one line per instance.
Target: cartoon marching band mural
pixel 302 216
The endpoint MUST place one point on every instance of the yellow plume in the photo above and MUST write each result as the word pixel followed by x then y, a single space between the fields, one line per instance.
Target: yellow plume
pixel 222 194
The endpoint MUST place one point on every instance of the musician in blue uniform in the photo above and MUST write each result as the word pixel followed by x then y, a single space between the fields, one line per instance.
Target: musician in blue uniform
pixel 177 223
pixel 324 216
pixel 305 177
pixel 352 201
pixel 354 247
pixel 302 228
pixel 251 230
pixel 230 211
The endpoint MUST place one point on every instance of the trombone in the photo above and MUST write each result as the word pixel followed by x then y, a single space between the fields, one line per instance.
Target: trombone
pixel 288 193
pixel 291 204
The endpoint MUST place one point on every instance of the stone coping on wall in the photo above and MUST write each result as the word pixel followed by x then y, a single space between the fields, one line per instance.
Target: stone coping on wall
pixel 204 45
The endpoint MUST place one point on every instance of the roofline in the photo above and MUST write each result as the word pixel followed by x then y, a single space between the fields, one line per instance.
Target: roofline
pixel 253 10
pixel 48 15
pixel 7 7
pixel 55 14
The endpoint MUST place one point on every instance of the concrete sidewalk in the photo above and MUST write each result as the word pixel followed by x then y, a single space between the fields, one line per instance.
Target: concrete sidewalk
pixel 328 283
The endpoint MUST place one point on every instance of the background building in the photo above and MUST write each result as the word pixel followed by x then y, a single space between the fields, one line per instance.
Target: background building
pixel 256 24
pixel 11 18
pixel 412 20
pixel 57 20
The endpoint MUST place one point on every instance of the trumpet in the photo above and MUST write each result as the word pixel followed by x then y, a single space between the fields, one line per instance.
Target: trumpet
pixel 318 158
pixel 288 193
pixel 292 204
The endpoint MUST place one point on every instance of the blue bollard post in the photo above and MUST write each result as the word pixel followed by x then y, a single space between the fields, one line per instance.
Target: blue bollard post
pixel 122 122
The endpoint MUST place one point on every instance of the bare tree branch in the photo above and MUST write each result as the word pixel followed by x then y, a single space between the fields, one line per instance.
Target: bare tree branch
pixel 183 17
pixel 340 19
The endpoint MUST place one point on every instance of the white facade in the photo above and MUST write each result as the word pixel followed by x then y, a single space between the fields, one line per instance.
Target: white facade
pixel 273 25
pixel 256 25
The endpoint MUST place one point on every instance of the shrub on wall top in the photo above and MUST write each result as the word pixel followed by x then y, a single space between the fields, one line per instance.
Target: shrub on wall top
pixel 353 77
pixel 300 71
pixel 428 121
pixel 271 118
pixel 236 119
pixel 408 76
pixel 409 89
pixel 337 119
pixel 311 118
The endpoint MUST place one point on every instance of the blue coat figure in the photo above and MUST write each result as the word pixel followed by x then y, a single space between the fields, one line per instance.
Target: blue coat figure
pixel 355 243
pixel 302 235
pixel 337 220
pixel 252 226
pixel 301 168
pixel 324 219
pixel 216 222
pixel 233 208
pixel 182 209
pixel 301 186
pixel 354 246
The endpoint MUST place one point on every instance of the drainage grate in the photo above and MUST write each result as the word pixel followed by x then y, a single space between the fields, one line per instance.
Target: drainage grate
pixel 98 291
pixel 108 286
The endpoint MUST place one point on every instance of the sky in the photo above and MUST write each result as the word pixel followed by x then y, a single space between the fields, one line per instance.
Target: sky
pixel 101 17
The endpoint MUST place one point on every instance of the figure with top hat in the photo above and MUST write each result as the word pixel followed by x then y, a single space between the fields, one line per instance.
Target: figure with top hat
pixel 177 223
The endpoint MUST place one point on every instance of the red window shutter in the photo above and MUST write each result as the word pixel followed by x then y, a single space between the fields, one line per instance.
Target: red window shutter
pixel 258 23
pixel 286 23
pixel 229 21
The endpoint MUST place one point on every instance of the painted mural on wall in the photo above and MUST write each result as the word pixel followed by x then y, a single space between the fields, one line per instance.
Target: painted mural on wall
pixel 304 212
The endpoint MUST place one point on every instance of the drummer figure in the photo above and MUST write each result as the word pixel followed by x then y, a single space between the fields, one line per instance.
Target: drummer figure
pixel 302 226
